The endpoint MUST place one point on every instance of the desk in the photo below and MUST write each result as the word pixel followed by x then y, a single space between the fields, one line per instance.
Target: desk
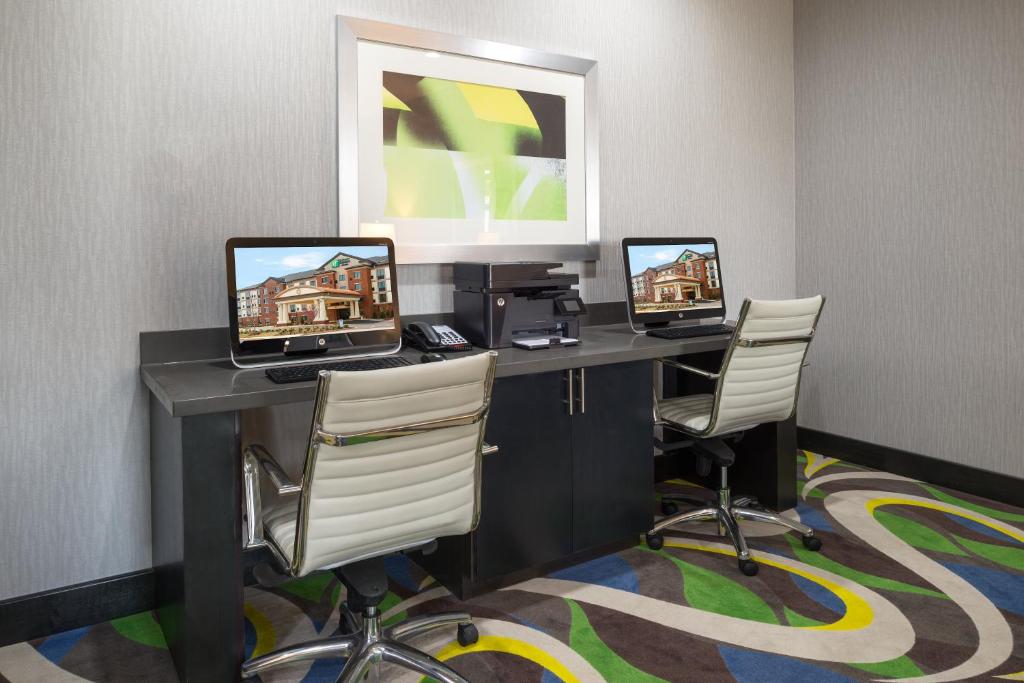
pixel 561 487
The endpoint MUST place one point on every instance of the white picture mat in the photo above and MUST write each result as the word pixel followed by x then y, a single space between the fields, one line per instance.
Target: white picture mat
pixel 375 58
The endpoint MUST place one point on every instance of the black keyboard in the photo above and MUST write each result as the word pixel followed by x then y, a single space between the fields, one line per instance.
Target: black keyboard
pixel 687 331
pixel 308 373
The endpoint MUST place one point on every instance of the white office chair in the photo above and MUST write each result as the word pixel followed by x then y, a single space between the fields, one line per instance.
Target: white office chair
pixel 393 463
pixel 758 382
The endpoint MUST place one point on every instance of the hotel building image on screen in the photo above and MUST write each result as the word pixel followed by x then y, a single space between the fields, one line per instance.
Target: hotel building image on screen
pixel 689 280
pixel 345 287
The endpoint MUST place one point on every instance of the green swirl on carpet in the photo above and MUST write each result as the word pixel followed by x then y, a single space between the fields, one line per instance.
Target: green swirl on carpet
pixel 973 507
pixel 712 592
pixel 310 587
pixel 917 534
pixel 142 628
pixel 1012 558
pixel 817 559
pixel 584 639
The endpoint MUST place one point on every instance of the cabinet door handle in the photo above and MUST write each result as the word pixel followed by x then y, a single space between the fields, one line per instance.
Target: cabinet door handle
pixel 583 391
pixel 568 377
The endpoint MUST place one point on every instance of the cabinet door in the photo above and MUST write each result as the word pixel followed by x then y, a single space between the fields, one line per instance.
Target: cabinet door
pixel 526 496
pixel 613 454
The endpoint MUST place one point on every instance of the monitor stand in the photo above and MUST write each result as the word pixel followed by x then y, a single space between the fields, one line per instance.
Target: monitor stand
pixel 304 347
pixel 306 350
pixel 643 327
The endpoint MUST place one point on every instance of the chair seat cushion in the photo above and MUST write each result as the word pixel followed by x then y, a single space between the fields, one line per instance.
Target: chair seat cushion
pixel 279 525
pixel 691 412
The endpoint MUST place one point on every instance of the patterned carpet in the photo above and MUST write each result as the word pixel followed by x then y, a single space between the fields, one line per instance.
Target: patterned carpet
pixel 914 582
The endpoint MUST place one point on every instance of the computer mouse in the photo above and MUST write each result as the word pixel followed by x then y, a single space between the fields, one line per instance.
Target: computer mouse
pixel 431 358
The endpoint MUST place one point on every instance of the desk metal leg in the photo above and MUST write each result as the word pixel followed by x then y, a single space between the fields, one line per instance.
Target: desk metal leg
pixel 766 464
pixel 195 472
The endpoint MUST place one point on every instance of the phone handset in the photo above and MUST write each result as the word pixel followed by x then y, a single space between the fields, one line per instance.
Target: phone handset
pixel 425 332
pixel 435 337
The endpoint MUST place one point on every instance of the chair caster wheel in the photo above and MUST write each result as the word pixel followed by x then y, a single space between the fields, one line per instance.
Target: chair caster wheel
pixel 748 567
pixel 669 508
pixel 468 635
pixel 654 541
pixel 811 542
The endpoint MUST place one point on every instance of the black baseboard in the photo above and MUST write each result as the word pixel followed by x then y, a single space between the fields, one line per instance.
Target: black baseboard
pixel 42 614
pixel 979 482
pixel 48 612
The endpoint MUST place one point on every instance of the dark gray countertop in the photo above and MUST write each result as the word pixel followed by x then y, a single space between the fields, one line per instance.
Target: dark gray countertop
pixel 210 386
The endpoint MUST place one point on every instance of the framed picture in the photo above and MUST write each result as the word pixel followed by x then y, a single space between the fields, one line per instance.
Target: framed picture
pixel 465 149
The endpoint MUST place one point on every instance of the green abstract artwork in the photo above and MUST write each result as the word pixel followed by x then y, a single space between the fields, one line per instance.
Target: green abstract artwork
pixel 460 150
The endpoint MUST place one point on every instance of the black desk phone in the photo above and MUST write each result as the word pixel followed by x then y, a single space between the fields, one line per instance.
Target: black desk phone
pixel 434 337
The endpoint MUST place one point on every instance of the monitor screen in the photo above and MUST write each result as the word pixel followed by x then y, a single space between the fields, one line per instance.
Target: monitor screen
pixel 338 292
pixel 674 277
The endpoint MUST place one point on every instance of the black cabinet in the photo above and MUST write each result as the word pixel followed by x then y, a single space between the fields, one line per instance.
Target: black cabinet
pixel 525 500
pixel 570 475
pixel 612 453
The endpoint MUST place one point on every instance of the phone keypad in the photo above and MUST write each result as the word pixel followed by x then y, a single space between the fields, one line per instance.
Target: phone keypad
pixel 450 337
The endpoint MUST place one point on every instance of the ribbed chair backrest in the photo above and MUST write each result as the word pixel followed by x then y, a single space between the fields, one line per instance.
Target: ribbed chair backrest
pixel 393 460
pixel 760 377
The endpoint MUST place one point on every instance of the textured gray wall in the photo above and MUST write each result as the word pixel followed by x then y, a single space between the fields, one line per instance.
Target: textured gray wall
pixel 910 206
pixel 135 137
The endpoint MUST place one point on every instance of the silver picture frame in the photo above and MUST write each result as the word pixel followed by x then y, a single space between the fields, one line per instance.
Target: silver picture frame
pixel 352 30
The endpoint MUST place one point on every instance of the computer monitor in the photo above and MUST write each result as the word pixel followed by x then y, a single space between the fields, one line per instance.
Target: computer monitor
pixel 672 278
pixel 289 297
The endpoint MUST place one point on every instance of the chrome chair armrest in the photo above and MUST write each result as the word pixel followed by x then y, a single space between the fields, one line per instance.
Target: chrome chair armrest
pixel 778 341
pixel 688 368
pixel 336 439
pixel 252 505
pixel 255 457
pixel 489 449
pixel 278 477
